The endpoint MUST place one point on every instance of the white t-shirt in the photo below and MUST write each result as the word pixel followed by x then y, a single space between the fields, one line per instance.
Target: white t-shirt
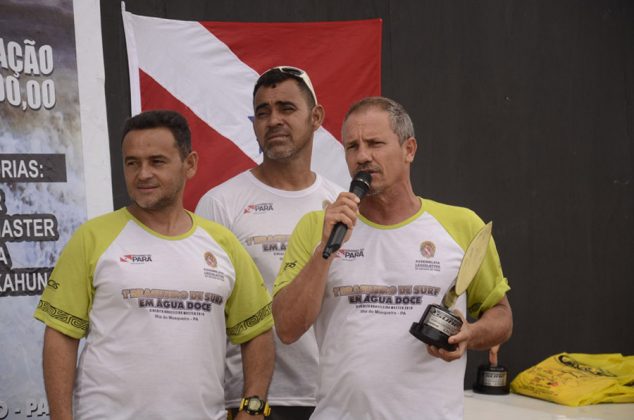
pixel 380 282
pixel 155 311
pixel 263 218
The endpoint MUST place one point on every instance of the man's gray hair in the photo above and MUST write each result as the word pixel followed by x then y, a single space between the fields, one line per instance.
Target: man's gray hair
pixel 400 122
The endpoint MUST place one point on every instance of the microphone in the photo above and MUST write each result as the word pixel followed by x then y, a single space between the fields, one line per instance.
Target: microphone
pixel 359 186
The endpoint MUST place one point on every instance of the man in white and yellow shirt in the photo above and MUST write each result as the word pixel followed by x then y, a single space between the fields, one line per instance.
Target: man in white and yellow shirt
pixel 402 254
pixel 154 290
pixel 261 206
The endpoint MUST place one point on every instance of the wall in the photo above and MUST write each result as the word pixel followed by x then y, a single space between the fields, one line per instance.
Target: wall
pixel 523 112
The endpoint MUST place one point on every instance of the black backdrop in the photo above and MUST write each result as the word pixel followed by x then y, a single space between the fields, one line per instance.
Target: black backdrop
pixel 523 112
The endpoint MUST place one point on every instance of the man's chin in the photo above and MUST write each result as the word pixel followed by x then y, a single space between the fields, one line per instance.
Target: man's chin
pixel 148 205
pixel 278 153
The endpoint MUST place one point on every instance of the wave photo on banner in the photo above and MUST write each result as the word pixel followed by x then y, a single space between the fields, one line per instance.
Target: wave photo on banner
pixel 207 70
pixel 43 175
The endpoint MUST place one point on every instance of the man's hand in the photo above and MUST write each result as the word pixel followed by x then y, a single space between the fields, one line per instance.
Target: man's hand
pixel 492 329
pixel 461 339
pixel 343 210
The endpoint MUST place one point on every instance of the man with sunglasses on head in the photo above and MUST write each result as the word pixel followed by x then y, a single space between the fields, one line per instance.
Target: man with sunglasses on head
pixel 262 206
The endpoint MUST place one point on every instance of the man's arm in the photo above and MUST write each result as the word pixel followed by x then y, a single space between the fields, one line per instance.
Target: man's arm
pixel 258 360
pixel 296 306
pixel 59 363
pixel 494 327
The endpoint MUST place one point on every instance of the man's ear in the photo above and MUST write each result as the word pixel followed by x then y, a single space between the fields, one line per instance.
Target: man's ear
pixel 191 164
pixel 410 147
pixel 317 115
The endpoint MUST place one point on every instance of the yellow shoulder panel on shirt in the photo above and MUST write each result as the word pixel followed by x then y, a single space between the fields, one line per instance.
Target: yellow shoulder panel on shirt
pixel 489 284
pixel 67 299
pixel 248 310
pixel 301 245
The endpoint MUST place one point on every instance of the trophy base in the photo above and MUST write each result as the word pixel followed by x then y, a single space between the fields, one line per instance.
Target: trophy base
pixel 492 380
pixel 436 326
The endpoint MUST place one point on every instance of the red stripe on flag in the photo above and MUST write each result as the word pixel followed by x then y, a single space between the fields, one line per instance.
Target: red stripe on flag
pixel 219 158
pixel 343 59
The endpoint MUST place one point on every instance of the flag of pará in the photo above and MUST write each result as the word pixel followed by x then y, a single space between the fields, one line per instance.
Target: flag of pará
pixel 207 71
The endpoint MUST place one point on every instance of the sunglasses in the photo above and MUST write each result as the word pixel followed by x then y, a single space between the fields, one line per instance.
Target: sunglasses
pixel 297 73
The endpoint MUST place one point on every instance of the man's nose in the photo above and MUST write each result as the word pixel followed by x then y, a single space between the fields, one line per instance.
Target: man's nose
pixel 363 155
pixel 145 171
pixel 275 118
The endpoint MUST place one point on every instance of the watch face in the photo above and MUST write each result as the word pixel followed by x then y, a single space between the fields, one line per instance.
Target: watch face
pixel 254 404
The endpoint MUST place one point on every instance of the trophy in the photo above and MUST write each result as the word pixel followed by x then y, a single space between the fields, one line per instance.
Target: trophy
pixel 492 378
pixel 438 322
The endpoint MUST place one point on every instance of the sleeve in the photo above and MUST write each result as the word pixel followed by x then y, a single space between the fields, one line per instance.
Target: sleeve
pixel 301 245
pixel 489 285
pixel 248 311
pixel 211 207
pixel 67 298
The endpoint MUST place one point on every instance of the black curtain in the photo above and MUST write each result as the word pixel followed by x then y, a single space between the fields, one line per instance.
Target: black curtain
pixel 523 112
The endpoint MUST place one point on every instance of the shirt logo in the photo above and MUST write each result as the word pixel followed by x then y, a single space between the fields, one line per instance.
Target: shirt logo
pixel 350 254
pixel 428 263
pixel 258 208
pixel 290 265
pixel 211 260
pixel 136 258
pixel 428 249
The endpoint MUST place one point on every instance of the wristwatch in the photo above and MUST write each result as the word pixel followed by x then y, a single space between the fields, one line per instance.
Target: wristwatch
pixel 254 406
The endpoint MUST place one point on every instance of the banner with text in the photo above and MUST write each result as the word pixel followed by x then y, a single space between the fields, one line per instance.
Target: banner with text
pixel 43 177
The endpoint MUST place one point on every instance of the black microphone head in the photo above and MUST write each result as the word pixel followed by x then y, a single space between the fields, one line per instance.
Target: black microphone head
pixel 360 184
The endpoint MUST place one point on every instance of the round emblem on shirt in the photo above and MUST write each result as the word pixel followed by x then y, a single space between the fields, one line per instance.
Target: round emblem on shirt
pixel 428 249
pixel 211 260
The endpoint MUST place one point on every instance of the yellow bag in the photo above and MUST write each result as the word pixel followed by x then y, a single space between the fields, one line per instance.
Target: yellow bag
pixel 579 379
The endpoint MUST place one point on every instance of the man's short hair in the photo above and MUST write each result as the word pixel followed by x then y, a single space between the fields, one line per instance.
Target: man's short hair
pixel 276 75
pixel 400 121
pixel 161 118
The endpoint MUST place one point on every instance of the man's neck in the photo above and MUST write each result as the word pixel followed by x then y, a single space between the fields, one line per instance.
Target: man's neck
pixel 168 222
pixel 289 175
pixel 390 208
